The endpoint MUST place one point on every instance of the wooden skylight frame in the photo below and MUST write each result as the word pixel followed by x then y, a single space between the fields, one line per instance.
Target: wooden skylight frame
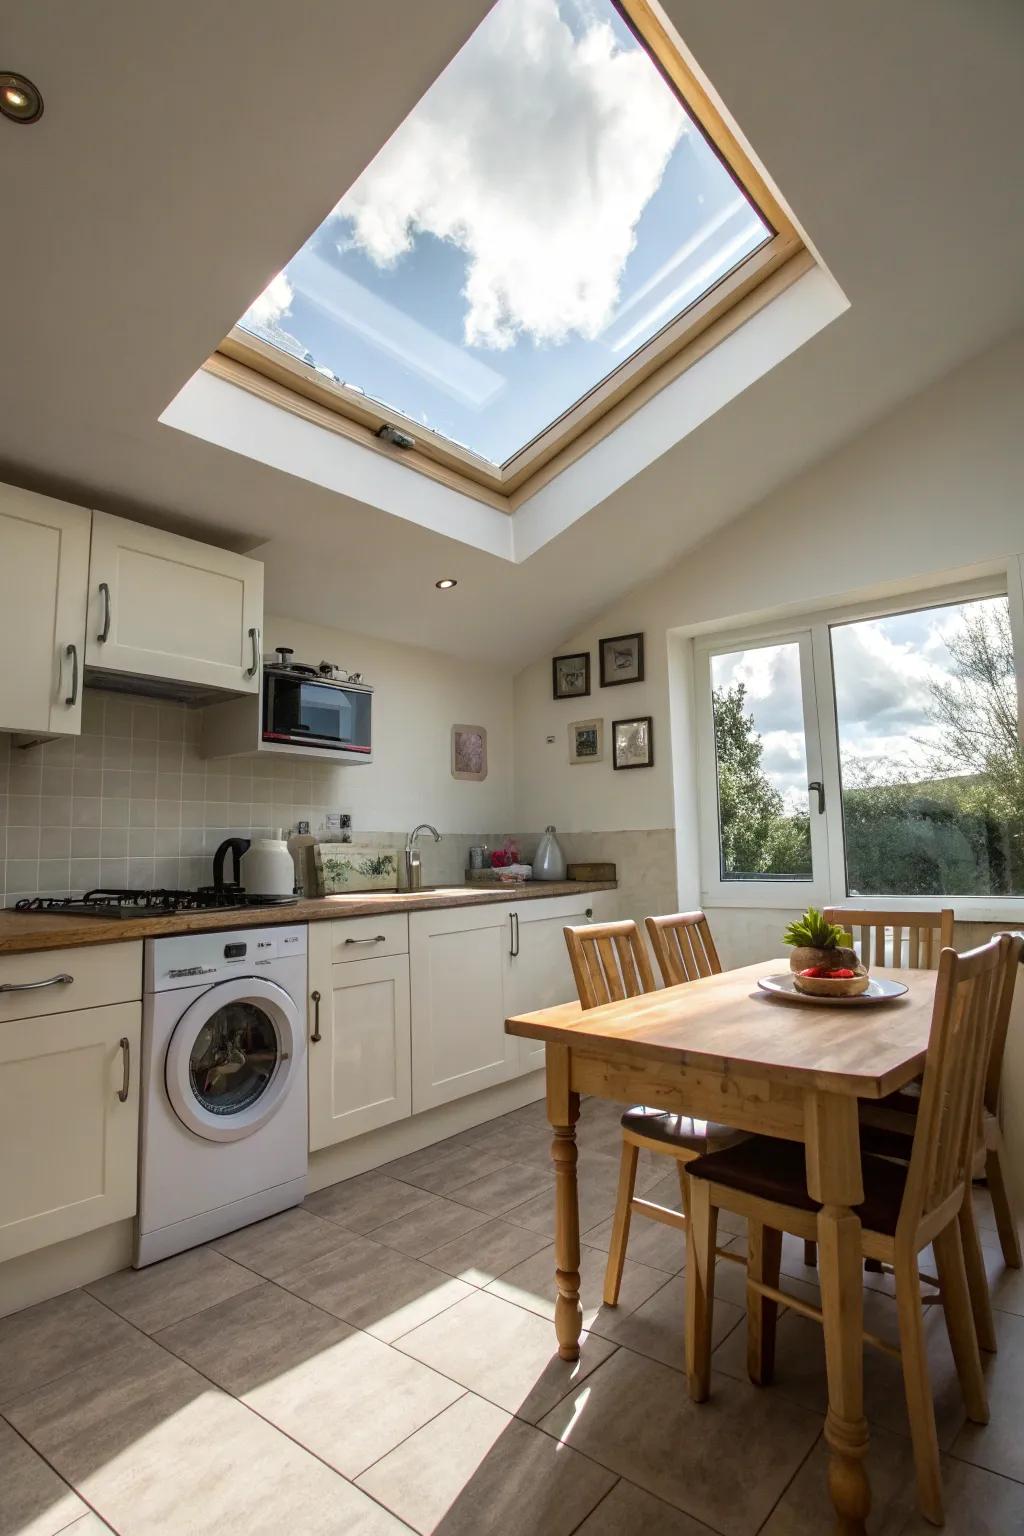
pixel 273 375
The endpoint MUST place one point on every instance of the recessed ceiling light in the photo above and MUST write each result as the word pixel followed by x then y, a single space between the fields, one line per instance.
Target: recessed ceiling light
pixel 19 99
pixel 445 583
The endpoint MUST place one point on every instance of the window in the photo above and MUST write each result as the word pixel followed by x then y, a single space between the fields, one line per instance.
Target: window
pixel 868 756
pixel 560 214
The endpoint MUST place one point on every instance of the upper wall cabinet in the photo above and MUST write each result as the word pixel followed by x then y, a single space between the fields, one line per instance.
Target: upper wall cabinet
pixel 44 567
pixel 164 607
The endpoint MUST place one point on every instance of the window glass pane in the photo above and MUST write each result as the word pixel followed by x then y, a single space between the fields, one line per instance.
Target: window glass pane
pixel 761 757
pixel 931 762
pixel 545 209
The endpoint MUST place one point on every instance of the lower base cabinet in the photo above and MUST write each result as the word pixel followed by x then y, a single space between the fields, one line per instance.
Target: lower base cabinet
pixel 537 969
pixel 68 1141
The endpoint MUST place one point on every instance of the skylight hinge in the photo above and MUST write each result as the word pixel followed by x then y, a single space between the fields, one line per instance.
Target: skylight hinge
pixel 395 436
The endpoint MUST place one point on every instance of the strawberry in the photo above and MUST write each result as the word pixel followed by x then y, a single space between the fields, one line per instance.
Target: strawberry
pixel 843 973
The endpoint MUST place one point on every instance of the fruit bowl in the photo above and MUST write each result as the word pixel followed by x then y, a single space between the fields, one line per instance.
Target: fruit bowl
pixel 816 982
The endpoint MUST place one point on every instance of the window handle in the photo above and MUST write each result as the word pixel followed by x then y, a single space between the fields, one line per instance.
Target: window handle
pixel 816 784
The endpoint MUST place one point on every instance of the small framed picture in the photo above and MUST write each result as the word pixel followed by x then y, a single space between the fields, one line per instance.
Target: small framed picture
pixel 586 741
pixel 469 752
pixel 633 743
pixel 570 676
pixel 622 660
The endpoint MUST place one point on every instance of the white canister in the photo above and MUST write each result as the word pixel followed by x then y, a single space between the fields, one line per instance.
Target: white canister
pixel 267 867
pixel 549 860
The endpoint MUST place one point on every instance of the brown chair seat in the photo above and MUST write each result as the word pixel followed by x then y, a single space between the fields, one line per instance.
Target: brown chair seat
pixel 680 1130
pixel 883 1141
pixel 775 1170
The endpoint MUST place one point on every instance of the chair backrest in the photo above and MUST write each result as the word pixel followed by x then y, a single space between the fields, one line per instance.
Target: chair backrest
pixel 609 962
pixel 967 994
pixel 683 947
pixel 927 934
pixel 994 1071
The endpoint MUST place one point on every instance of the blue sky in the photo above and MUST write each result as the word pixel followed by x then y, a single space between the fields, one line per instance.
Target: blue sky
pixel 544 210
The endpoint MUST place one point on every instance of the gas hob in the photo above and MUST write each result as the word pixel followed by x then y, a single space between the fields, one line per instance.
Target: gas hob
pixel 112 904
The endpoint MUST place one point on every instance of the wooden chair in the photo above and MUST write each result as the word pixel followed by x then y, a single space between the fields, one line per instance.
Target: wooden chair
pixel 906 1207
pixel 609 961
pixel 927 934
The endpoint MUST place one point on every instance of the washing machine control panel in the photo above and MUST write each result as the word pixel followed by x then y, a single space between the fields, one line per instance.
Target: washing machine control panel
pixel 212 957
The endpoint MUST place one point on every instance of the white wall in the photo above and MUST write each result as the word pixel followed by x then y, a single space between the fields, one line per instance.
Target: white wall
pixel 419 696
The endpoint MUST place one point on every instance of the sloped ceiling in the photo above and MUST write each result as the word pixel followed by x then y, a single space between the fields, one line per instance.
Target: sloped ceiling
pixel 188 149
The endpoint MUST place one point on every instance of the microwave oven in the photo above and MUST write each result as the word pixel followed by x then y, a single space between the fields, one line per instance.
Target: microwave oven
pixel 300 710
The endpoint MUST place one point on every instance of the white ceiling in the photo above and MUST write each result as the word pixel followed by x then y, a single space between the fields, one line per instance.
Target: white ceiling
pixel 188 149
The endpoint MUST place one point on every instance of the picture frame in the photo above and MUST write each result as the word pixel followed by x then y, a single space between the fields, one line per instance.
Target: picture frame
pixel 633 742
pixel 469 752
pixel 622 660
pixel 570 676
pixel 586 741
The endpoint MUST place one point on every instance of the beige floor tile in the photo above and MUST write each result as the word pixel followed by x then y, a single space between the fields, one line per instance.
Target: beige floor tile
pixel 345 1396
pixel 475 1469
pixel 486 1252
pixel 977 1503
pixel 375 1288
pixel 725 1461
pixel 366 1201
pixel 154 1448
pixel 439 1222
pixel 282 1242
pixel 510 1185
pixel 503 1353
pixel 999 1445
pixel 629 1511
pixel 34 1501
pixel 650 1243
pixel 48 1340
pixel 532 1285
pixel 655 1329
pixel 89 1525
pixel 164 1293
pixel 596 1206
pixel 446 1171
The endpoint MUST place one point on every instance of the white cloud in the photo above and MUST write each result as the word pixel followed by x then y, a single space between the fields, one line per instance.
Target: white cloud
pixel 535 153
pixel 273 302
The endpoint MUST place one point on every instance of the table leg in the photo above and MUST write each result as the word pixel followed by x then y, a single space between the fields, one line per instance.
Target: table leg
pixel 834 1179
pixel 563 1108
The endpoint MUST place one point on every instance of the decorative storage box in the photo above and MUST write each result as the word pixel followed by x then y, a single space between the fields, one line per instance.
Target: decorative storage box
pixel 345 867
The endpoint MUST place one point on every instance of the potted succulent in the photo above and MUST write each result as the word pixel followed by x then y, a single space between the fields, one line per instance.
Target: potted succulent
pixel 816 942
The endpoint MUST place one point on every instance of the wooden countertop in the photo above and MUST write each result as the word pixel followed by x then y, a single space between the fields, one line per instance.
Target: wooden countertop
pixel 25 932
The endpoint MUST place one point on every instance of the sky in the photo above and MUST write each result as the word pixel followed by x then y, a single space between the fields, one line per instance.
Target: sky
pixel 883 669
pixel 545 209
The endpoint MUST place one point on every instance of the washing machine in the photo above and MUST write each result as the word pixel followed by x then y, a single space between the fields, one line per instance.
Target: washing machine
pixel 224 1134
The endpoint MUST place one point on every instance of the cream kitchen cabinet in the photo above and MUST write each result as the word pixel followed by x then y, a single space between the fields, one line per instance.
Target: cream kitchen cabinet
pixel 359 1036
pixel 537 969
pixel 69 1095
pixel 44 566
pixel 170 608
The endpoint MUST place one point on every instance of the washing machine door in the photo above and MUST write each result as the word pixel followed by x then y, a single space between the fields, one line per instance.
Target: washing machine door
pixel 231 1058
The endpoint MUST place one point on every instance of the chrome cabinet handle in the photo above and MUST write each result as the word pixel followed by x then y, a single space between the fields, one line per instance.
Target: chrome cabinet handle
pixel 513 923
pixel 380 938
pixel 33 986
pixel 72 651
pixel 254 637
pixel 316 1036
pixel 816 784
pixel 126 1058
pixel 104 633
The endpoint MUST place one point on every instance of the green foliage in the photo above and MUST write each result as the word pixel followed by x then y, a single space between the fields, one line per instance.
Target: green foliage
pixel 758 837
pixel 813 932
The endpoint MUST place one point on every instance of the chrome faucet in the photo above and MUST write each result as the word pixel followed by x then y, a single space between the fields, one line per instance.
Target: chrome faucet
pixel 413 870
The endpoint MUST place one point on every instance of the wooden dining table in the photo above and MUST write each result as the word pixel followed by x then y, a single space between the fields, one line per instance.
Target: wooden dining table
pixel 722 1049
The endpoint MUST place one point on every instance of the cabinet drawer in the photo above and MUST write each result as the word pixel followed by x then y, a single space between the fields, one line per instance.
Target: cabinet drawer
pixel 365 938
pixel 99 973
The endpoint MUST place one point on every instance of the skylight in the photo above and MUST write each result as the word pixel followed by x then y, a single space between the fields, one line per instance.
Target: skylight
pixel 547 211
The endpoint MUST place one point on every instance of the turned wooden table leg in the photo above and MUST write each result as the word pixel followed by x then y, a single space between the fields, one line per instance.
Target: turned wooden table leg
pixel 834 1178
pixel 563 1108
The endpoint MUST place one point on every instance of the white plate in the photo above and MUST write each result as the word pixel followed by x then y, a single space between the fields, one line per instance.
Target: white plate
pixel 878 991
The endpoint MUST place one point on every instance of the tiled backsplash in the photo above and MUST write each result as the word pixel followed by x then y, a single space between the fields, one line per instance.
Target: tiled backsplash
pixel 131 803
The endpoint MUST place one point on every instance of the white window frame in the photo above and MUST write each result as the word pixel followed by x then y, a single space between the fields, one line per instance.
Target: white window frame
pixel 827 887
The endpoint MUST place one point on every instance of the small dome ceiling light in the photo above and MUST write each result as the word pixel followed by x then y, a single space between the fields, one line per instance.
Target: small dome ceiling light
pixel 20 100
pixel 445 583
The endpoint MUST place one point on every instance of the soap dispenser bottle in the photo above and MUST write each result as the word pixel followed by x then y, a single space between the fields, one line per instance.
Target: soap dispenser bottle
pixel 549 860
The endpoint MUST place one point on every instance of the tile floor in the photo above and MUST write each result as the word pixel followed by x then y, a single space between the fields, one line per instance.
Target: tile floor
pixel 381 1361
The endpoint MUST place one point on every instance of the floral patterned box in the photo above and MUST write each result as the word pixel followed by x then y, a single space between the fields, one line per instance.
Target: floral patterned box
pixel 345 867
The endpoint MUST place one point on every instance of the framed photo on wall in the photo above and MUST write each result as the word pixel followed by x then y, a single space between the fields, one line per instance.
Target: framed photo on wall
pixel 622 660
pixel 570 676
pixel 586 741
pixel 633 742
pixel 469 752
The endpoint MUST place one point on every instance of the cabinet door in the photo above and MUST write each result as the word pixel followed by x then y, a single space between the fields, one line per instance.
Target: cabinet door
pixel 44 574
pixel 163 606
pixel 68 1145
pixel 539 975
pixel 359 1069
pixel 457 971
